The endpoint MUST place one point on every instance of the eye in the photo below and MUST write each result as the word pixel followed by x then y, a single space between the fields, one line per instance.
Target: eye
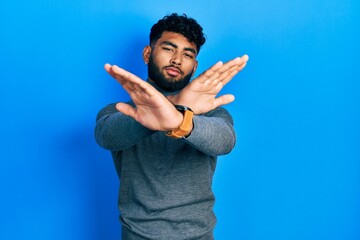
pixel 188 55
pixel 168 49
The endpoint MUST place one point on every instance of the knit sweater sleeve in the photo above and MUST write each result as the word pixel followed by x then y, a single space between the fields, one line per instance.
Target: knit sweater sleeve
pixel 213 133
pixel 115 131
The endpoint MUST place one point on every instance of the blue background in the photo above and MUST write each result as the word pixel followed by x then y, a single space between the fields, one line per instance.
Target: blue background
pixel 294 173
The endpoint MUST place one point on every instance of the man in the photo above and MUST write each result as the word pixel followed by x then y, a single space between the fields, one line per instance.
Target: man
pixel 166 140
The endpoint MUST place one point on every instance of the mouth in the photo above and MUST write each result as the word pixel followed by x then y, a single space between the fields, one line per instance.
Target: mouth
pixel 173 71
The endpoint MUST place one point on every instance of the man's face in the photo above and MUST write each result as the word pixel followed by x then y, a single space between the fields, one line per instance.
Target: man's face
pixel 172 61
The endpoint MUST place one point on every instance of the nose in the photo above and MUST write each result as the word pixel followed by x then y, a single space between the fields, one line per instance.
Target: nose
pixel 176 60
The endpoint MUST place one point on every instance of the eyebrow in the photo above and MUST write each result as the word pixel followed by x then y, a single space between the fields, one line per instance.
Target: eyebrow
pixel 176 46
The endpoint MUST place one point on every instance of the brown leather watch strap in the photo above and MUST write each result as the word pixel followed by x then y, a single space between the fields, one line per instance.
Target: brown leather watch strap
pixel 186 125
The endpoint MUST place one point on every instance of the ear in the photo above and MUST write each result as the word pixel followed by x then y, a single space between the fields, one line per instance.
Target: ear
pixel 146 54
pixel 195 67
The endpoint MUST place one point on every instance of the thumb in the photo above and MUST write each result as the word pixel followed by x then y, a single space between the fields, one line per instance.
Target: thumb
pixel 126 109
pixel 224 99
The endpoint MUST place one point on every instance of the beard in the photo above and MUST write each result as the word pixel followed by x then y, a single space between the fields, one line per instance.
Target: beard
pixel 168 84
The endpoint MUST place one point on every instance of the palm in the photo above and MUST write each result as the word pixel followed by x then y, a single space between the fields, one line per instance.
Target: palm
pixel 200 94
pixel 203 95
pixel 153 110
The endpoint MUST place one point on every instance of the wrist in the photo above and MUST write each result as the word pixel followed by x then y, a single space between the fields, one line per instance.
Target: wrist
pixel 171 98
pixel 177 100
pixel 177 121
pixel 186 125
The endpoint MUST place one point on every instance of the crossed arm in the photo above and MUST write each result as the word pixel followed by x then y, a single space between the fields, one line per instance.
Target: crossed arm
pixel 156 112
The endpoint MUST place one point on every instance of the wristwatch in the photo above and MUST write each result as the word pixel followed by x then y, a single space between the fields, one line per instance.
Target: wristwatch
pixel 186 125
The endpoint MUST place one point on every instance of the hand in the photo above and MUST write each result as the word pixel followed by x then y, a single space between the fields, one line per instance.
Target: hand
pixel 153 110
pixel 200 94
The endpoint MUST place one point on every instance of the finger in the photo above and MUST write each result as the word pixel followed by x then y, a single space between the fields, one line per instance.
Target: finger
pixel 245 57
pixel 226 76
pixel 224 99
pixel 143 88
pixel 116 73
pixel 126 109
pixel 234 62
pixel 130 78
pixel 210 72
pixel 229 75
pixel 222 72
pixel 238 61
pixel 107 67
pixel 124 75
pixel 129 81
pixel 229 65
pixel 225 70
pixel 234 69
pixel 215 84
pixel 221 67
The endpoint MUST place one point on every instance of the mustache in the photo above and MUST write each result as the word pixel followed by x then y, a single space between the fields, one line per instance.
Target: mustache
pixel 172 66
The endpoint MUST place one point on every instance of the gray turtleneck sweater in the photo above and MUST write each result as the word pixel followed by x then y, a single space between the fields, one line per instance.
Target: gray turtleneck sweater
pixel 165 183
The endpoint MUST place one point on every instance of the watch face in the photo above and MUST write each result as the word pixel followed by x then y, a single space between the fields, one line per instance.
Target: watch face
pixel 182 108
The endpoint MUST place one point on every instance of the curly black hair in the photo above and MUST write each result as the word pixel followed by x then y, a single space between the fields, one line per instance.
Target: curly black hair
pixel 184 25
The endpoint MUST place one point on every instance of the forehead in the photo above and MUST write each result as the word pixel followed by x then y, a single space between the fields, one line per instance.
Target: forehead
pixel 176 38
